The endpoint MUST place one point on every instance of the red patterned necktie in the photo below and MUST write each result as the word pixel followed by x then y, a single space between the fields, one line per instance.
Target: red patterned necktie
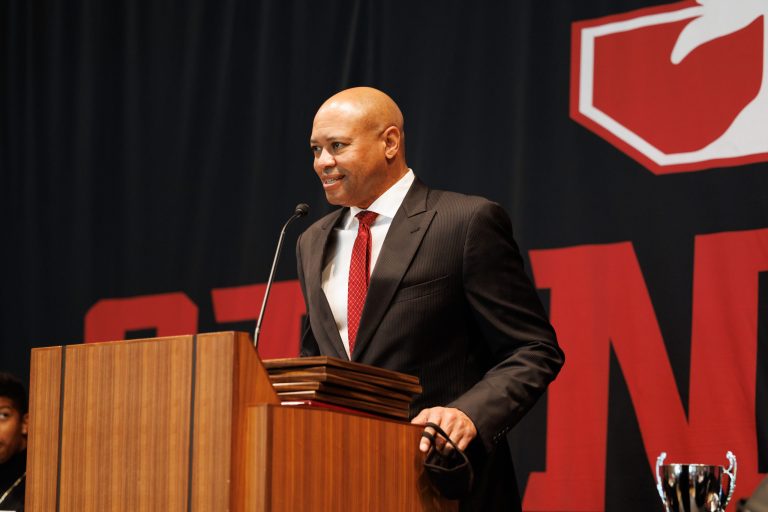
pixel 359 272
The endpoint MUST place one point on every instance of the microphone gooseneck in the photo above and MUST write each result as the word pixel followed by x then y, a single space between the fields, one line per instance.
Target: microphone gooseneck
pixel 300 211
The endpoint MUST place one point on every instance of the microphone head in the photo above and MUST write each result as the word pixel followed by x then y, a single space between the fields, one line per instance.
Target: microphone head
pixel 301 209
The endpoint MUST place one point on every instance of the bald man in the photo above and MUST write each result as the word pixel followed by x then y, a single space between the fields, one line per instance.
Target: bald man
pixel 446 298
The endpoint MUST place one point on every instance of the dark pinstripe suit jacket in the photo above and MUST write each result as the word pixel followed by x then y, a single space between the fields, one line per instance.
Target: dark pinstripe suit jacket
pixel 449 301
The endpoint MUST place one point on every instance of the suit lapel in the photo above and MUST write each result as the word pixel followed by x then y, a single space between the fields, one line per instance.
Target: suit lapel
pixel 320 306
pixel 403 239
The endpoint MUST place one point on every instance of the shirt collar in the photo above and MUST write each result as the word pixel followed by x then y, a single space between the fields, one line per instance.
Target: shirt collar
pixel 387 204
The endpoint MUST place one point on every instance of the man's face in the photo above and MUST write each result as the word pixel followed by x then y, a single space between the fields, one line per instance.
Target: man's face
pixel 13 430
pixel 349 157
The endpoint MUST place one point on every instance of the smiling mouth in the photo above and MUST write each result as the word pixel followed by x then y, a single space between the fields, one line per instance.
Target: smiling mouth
pixel 331 181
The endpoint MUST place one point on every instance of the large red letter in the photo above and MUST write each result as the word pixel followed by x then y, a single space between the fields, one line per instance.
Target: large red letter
pixel 281 329
pixel 599 297
pixel 171 314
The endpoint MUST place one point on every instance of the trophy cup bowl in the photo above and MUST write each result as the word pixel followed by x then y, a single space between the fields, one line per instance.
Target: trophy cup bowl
pixel 694 487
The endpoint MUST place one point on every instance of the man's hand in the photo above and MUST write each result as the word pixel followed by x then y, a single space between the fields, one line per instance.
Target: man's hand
pixel 456 424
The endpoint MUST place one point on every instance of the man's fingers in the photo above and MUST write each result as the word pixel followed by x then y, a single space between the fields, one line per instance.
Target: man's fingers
pixel 428 436
pixel 421 418
pixel 463 443
pixel 454 423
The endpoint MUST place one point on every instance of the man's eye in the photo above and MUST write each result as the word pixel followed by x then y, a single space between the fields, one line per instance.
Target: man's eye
pixel 337 145
pixel 315 149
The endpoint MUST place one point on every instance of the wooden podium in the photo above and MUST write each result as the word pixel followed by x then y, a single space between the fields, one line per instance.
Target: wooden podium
pixel 191 423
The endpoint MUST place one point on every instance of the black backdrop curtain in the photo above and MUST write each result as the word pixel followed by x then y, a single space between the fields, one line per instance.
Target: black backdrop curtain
pixel 153 147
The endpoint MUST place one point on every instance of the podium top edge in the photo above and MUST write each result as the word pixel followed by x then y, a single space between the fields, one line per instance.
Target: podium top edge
pixel 233 334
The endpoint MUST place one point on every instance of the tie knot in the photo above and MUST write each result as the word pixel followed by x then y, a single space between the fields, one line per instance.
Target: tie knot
pixel 366 218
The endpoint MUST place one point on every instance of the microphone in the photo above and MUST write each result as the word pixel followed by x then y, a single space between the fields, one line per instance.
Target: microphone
pixel 300 211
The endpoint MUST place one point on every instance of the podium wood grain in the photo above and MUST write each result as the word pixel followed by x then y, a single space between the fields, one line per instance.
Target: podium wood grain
pixel 43 439
pixel 321 460
pixel 116 436
pixel 191 423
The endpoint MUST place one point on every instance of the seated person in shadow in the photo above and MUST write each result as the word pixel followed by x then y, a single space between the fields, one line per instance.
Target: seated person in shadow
pixel 13 443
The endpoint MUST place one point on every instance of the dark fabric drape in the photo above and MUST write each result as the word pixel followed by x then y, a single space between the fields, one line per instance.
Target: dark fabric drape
pixel 157 146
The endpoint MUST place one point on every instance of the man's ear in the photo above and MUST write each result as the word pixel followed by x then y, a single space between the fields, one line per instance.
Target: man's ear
pixel 25 424
pixel 392 138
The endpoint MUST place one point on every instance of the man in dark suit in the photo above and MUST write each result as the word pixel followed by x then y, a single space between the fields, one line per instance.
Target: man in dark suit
pixel 431 283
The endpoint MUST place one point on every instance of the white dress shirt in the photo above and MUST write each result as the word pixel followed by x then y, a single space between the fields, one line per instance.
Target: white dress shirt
pixel 336 271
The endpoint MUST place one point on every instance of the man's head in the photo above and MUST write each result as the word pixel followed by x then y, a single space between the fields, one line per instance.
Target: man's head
pixel 358 145
pixel 13 417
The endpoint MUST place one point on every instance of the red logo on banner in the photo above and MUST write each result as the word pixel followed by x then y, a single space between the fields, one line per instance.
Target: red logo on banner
pixel 681 87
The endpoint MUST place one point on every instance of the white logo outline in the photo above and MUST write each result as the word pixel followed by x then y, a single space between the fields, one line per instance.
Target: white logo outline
pixel 743 137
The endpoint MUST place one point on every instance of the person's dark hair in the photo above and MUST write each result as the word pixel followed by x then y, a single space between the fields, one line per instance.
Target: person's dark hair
pixel 13 389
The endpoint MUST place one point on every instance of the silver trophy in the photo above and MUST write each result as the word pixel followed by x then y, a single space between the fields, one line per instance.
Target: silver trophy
pixel 694 487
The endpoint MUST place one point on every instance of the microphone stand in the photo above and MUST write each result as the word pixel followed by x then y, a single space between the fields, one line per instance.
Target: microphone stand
pixel 300 211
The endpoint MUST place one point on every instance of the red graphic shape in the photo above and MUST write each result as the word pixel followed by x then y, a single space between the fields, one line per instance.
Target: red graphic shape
pixel 170 314
pixel 677 107
pixel 673 118
pixel 599 300
pixel 281 328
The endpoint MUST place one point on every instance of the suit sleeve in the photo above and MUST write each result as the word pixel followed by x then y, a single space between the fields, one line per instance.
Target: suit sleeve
pixel 308 345
pixel 512 323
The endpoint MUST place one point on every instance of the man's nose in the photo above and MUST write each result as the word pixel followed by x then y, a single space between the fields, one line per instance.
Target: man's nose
pixel 325 160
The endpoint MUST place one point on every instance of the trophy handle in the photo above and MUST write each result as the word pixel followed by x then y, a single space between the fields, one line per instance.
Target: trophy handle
pixel 659 489
pixel 731 472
